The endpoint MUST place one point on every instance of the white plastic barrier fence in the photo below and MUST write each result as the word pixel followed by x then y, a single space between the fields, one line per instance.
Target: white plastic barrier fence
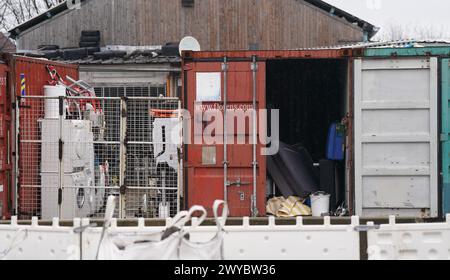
pixel 297 242
pixel 271 242
pixel 426 241
pixel 387 242
pixel 35 242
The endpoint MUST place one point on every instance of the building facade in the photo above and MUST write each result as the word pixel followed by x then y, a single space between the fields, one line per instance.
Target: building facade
pixel 217 24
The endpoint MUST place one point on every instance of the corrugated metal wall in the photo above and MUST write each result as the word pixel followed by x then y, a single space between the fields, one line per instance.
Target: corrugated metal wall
pixel 5 140
pixel 218 24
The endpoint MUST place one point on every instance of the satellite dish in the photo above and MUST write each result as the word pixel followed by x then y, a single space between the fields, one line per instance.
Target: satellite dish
pixel 189 44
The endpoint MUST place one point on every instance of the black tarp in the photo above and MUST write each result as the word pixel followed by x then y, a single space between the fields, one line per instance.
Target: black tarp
pixel 292 170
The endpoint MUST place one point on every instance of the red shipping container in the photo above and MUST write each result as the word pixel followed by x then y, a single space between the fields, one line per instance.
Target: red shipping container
pixel 205 163
pixel 204 179
pixel 36 77
pixel 5 168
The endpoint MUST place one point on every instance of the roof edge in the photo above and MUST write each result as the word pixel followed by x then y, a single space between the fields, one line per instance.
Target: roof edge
pixel 371 29
pixel 50 13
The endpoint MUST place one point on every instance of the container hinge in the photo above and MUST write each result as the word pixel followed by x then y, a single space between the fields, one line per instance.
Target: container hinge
pixel 61 105
pixel 255 211
pixel 179 154
pixel 254 65
pixel 60 149
pixel 366 228
pixel 225 65
pixel 444 137
pixel 60 196
pixel 123 190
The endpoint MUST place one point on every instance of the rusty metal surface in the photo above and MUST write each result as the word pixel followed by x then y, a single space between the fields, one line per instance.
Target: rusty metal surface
pixel 211 61
pixel 263 55
pixel 36 76
pixel 5 139
pixel 205 183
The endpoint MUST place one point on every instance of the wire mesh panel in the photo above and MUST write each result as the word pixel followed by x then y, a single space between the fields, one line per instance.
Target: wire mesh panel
pixel 92 144
pixel 152 157
pixel 31 146
pixel 75 152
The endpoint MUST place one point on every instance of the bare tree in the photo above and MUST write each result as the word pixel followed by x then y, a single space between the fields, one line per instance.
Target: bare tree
pixel 14 12
pixel 431 32
pixel 394 31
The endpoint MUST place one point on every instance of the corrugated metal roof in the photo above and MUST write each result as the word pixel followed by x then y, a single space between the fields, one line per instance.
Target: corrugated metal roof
pixel 387 44
pixel 90 60
pixel 132 57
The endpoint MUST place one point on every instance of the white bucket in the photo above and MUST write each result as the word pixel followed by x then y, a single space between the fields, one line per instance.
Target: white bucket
pixel 320 204
pixel 52 105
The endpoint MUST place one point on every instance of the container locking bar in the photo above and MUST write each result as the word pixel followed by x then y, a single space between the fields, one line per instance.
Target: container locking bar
pixel 225 125
pixel 254 207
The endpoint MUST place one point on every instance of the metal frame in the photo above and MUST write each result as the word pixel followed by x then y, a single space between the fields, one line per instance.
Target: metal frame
pixel 254 207
pixel 126 115
pixel 445 137
pixel 225 125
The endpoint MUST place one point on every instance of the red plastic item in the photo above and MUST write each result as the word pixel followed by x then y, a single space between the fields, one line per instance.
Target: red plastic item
pixel 57 79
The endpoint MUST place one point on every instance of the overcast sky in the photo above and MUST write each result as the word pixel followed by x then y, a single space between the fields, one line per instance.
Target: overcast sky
pixel 408 13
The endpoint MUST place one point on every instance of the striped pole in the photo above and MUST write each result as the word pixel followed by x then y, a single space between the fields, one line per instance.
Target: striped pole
pixel 23 86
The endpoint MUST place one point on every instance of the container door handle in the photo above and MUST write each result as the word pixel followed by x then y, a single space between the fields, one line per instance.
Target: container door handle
pixel 238 183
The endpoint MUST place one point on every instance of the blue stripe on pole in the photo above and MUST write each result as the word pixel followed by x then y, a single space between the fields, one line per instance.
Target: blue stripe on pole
pixel 23 85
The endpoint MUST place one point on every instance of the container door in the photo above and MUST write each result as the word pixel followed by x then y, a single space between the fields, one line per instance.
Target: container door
pixel 445 138
pixel 5 164
pixel 208 85
pixel 396 130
